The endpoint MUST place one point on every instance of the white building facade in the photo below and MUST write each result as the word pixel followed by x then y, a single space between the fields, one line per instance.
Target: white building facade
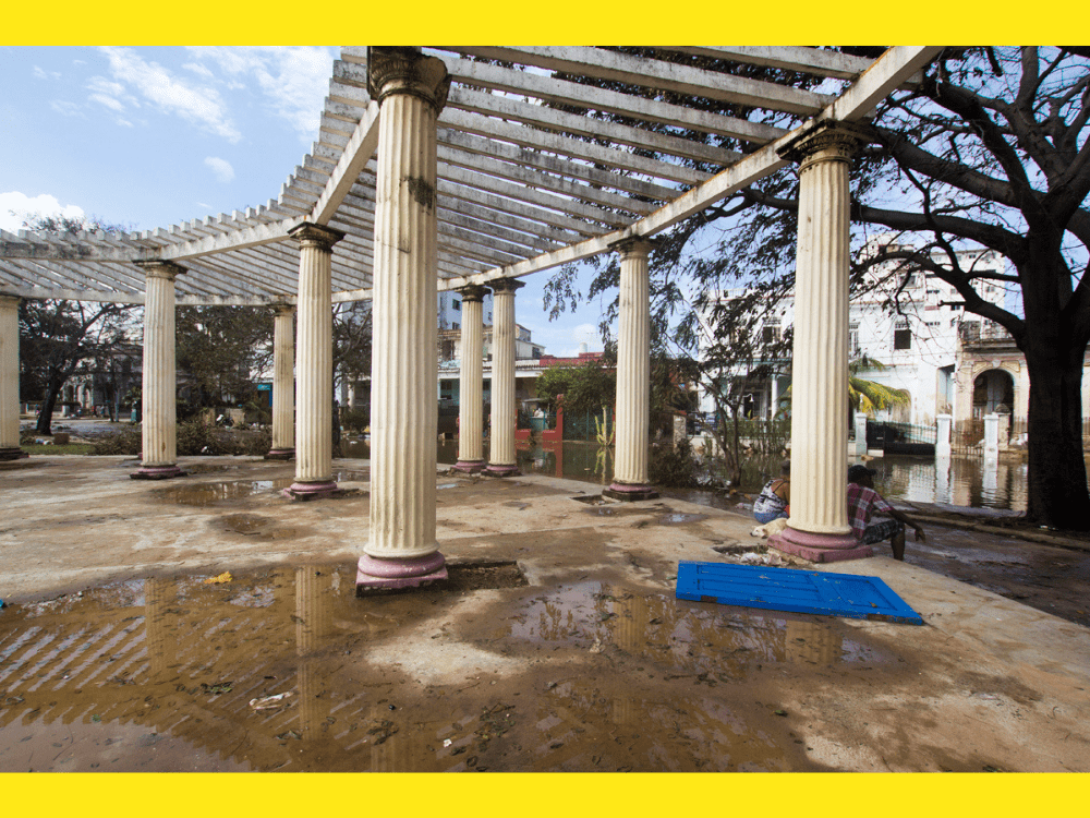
pixel 913 330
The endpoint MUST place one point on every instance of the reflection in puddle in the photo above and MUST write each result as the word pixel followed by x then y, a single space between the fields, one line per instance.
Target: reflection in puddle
pixel 206 494
pixel 700 637
pixel 168 674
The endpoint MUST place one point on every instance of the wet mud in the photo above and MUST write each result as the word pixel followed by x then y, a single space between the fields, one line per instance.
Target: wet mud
pixel 286 669
pixel 1050 579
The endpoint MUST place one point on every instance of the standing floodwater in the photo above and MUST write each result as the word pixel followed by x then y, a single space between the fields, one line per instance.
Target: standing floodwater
pixel 957 481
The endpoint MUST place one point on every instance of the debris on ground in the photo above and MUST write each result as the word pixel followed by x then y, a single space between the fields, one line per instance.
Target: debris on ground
pixel 269 702
pixel 224 577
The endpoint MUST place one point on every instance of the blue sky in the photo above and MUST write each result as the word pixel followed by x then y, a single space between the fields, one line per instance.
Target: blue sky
pixel 148 137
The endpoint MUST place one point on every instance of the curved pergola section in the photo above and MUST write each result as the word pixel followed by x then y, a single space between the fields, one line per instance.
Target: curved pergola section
pixel 519 191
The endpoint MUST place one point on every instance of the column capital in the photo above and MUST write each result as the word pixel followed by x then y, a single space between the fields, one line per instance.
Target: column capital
pixel 9 300
pixel 827 140
pixel 633 245
pixel 160 268
pixel 473 292
pixel 309 234
pixel 282 307
pixel 506 285
pixel 404 70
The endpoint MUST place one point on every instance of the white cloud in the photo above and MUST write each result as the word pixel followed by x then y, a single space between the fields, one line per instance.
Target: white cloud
pixel 200 105
pixel 199 70
pixel 23 206
pixel 221 168
pixel 295 79
pixel 110 102
pixel 66 108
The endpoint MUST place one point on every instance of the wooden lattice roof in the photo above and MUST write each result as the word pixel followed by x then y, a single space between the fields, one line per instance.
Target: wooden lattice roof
pixel 519 190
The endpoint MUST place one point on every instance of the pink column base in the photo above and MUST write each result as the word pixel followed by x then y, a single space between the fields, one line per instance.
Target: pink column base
pixel 156 473
pixel 13 453
pixel 374 574
pixel 502 471
pixel 310 491
pixel 469 466
pixel 630 492
pixel 819 547
pixel 280 454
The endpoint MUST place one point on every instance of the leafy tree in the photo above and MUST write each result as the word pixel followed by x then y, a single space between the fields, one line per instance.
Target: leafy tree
pixel 222 349
pixel 586 388
pixel 56 336
pixel 735 356
pixel 988 150
pixel 352 333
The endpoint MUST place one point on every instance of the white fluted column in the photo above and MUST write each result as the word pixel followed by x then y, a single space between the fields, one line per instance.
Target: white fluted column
pixel 630 477
pixel 159 424
pixel 502 461
pixel 282 445
pixel 9 379
pixel 818 527
pixel 471 386
pixel 314 421
pixel 411 90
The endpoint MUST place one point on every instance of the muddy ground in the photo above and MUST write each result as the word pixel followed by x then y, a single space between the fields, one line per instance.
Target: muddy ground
pixel 557 644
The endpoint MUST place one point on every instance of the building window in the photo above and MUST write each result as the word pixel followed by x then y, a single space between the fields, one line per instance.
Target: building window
pixel 770 332
pixel 456 304
pixel 902 336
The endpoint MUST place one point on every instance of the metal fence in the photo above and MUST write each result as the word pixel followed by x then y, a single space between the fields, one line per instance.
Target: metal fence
pixel 582 426
pixel 901 438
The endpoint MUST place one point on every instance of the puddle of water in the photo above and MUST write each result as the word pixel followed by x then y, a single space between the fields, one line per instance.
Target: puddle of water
pixel 678 518
pixel 352 476
pixel 207 494
pixel 697 638
pixel 166 674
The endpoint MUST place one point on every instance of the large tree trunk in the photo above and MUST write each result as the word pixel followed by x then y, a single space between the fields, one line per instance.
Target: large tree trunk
pixel 45 418
pixel 1058 494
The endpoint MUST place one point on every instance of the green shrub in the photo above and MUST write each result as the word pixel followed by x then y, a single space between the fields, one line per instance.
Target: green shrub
pixel 194 438
pixel 127 441
pixel 356 420
pixel 252 443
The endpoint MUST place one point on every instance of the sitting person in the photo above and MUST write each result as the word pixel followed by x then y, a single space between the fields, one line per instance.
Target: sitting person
pixel 863 502
pixel 774 500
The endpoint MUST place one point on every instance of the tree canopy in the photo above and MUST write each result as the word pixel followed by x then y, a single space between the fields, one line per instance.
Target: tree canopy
pixel 56 336
pixel 222 349
pixel 585 388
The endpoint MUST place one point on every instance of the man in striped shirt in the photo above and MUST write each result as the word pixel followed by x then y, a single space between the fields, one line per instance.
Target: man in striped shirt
pixel 864 501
